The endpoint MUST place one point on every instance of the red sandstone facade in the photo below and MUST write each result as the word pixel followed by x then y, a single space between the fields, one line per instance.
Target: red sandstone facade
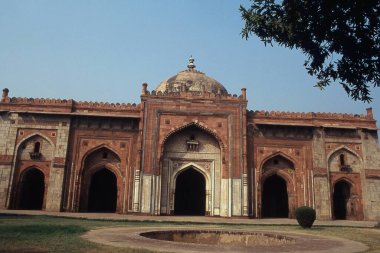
pixel 191 148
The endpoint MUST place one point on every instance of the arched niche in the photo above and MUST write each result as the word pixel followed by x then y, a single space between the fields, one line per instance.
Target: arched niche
pixel 31 190
pixel 275 201
pixel 33 151
pixel 344 159
pixel 190 193
pixel 100 164
pixel 194 147
pixel 277 187
pixel 277 162
pixel 36 147
pixel 102 195
pixel 342 206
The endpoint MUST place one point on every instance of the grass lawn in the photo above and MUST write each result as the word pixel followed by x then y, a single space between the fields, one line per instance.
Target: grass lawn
pixel 50 234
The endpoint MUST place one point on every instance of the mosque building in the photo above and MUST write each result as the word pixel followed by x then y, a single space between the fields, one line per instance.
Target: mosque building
pixel 188 148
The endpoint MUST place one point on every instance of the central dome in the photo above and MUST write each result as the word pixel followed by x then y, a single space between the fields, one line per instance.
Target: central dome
pixel 191 80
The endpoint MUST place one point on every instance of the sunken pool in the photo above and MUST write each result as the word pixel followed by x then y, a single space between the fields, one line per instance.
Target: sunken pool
pixel 218 237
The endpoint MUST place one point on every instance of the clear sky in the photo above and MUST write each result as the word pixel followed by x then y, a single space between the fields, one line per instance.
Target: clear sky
pixel 103 50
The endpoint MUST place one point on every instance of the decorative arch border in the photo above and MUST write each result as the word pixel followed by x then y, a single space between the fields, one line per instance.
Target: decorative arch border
pixel 92 150
pixel 279 153
pixel 84 188
pixel 31 136
pixel 200 126
pixel 289 179
pixel 14 181
pixel 83 173
pixel 30 168
pixel 340 179
pixel 343 147
pixel 187 166
pixel 345 179
pixel 203 172
pixel 16 197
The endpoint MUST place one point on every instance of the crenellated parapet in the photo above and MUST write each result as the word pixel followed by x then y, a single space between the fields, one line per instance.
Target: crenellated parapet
pixel 310 115
pixel 40 101
pixel 106 106
pixel 66 106
pixel 314 119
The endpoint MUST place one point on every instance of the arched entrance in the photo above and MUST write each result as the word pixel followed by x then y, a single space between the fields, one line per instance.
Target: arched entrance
pixel 102 195
pixel 32 190
pixel 341 196
pixel 190 193
pixel 275 198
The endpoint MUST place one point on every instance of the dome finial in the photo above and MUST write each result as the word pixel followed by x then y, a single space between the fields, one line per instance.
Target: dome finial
pixel 191 65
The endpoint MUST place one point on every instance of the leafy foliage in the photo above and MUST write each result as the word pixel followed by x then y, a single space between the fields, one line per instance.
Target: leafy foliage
pixel 341 39
pixel 305 216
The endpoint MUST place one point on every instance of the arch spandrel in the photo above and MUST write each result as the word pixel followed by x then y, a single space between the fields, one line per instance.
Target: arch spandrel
pixel 352 161
pixel 26 148
pixel 94 158
pixel 293 162
pixel 195 124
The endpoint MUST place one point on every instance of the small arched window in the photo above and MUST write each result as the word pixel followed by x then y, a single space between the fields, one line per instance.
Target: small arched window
pixel 37 147
pixel 342 160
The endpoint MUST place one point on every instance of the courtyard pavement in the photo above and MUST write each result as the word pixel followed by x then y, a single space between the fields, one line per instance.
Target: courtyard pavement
pixel 190 219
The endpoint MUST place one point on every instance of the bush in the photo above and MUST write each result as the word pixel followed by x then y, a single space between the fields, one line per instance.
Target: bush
pixel 305 216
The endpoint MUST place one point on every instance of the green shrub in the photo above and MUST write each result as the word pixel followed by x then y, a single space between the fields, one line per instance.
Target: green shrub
pixel 305 216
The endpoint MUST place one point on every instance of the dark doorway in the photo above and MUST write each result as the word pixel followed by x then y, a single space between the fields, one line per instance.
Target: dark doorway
pixel 275 198
pixel 342 192
pixel 190 193
pixel 32 190
pixel 103 192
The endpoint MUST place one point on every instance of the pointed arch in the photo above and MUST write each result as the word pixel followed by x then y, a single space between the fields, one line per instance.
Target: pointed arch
pixel 84 188
pixel 194 166
pixel 190 186
pixel 341 148
pixel 343 207
pixel 353 162
pixel 286 194
pixel 345 179
pixel 198 125
pixel 286 176
pixel 36 134
pixel 94 149
pixel 102 193
pixel 90 166
pixel 281 154
pixel 31 189
pixel 30 168
pixel 275 197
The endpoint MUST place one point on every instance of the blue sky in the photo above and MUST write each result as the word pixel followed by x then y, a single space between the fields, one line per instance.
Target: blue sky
pixel 104 50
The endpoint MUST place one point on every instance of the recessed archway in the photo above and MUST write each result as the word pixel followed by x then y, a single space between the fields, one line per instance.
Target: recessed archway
pixel 342 192
pixel 275 198
pixel 190 193
pixel 31 190
pixel 102 196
